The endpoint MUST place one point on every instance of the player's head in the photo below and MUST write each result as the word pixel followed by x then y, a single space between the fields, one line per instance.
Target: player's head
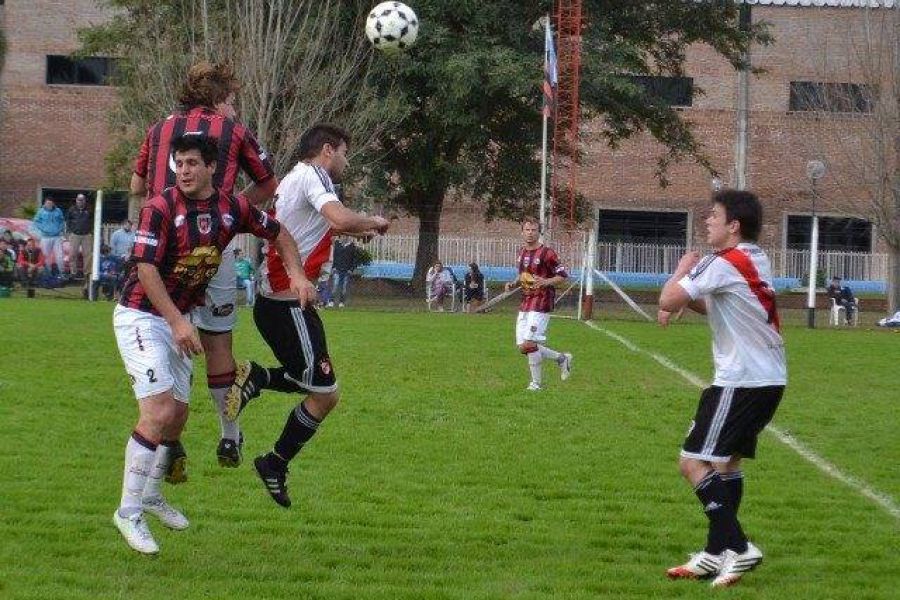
pixel 735 216
pixel 531 230
pixel 327 145
pixel 212 85
pixel 195 163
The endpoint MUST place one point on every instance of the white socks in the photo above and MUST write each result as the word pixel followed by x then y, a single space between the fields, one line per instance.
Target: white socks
pixel 534 365
pixel 548 353
pixel 230 429
pixel 158 472
pixel 138 462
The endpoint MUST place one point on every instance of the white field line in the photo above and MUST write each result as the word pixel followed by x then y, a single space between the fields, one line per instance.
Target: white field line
pixel 882 499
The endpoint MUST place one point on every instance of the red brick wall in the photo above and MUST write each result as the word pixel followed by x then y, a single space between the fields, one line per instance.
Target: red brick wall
pixel 50 135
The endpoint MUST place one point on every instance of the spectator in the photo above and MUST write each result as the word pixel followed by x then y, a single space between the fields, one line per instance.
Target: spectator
pixel 80 225
pixel 323 287
pixel 7 265
pixel 50 223
pixel 344 262
pixel 122 240
pixel 474 292
pixel 7 237
pixel 110 272
pixel 441 285
pixel 842 296
pixel 243 272
pixel 30 262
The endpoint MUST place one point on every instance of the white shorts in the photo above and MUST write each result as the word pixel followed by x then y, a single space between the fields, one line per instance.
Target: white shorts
pixel 531 326
pixel 150 355
pixel 219 314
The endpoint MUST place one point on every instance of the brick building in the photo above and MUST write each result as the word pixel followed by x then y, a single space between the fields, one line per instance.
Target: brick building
pixel 53 126
pixel 53 132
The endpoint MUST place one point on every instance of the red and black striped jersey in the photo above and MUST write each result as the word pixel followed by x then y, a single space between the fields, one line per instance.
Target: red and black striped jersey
pixel 238 150
pixel 541 262
pixel 185 238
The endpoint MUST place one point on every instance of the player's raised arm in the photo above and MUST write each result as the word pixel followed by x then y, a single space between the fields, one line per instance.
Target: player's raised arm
pixel 344 220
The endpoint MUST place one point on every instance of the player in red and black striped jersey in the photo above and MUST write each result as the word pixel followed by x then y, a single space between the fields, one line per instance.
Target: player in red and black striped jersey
pixel 178 247
pixel 207 100
pixel 539 274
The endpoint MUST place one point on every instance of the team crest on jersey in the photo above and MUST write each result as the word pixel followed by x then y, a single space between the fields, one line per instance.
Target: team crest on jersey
pixel 204 223
pixel 179 220
pixel 228 220
pixel 325 366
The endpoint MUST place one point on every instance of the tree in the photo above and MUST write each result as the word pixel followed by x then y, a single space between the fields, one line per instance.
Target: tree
pixel 856 105
pixel 296 60
pixel 470 86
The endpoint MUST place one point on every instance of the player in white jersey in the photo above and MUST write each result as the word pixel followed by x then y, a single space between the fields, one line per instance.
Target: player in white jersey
pixel 309 209
pixel 733 286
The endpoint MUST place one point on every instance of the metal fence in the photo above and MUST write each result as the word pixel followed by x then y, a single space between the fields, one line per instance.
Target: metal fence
pixel 622 257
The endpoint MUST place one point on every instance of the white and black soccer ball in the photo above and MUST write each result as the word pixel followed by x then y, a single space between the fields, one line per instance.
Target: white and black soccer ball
pixel 392 26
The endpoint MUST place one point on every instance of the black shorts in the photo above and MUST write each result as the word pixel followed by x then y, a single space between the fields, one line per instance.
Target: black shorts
pixel 729 420
pixel 297 338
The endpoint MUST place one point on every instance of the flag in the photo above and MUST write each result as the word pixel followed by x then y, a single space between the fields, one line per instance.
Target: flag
pixel 550 72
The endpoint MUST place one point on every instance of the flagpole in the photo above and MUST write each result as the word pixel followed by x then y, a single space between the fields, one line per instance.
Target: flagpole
pixel 546 119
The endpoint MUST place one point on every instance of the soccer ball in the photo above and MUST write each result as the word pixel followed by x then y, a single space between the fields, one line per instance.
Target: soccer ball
pixel 392 26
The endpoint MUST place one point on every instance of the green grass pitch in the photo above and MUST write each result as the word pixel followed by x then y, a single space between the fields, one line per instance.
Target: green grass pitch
pixel 438 476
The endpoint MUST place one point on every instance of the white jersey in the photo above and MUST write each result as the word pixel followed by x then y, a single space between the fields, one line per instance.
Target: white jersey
pixel 736 284
pixel 298 205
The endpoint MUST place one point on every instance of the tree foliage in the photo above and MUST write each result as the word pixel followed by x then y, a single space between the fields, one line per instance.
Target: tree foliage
pixel 471 87
pixel 296 63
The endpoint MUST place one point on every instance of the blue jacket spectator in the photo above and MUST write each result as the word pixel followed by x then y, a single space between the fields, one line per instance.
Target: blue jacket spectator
pixel 50 223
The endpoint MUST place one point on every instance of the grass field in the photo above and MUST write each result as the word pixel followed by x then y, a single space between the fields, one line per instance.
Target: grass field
pixel 438 476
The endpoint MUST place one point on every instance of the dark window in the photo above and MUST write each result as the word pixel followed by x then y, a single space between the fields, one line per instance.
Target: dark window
pixel 671 91
pixel 642 227
pixel 836 234
pixel 115 204
pixel 831 97
pixel 93 70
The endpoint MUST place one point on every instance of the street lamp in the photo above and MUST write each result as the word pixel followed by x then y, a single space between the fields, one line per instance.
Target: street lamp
pixel 815 170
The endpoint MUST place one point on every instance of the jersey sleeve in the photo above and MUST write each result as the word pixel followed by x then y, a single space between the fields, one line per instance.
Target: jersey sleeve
pixel 711 275
pixel 254 160
pixel 554 268
pixel 152 235
pixel 256 222
pixel 319 189
pixel 143 158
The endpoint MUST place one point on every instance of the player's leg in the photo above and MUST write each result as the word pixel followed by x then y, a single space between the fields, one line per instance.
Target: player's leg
pixel 539 323
pixel 145 344
pixel 300 346
pixel 733 476
pixel 529 349
pixel 703 447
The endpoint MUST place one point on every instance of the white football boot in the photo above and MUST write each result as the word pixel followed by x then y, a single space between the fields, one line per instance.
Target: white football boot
pixel 136 533
pixel 702 564
pixel 165 512
pixel 734 565
pixel 565 366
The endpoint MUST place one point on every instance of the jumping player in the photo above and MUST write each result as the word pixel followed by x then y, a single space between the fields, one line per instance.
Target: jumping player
pixel 733 286
pixel 309 209
pixel 539 274
pixel 207 105
pixel 181 236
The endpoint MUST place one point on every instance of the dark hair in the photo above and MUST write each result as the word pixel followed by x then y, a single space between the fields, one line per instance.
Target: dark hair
pixel 207 146
pixel 208 84
pixel 743 207
pixel 531 220
pixel 314 139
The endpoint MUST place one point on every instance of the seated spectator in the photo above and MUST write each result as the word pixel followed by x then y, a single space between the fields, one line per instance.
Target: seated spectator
pixel 441 285
pixel 30 263
pixel 7 265
pixel 474 290
pixel 243 272
pixel 7 237
pixel 842 296
pixel 110 272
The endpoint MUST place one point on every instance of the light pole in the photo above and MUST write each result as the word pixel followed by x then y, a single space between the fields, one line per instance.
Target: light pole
pixel 815 169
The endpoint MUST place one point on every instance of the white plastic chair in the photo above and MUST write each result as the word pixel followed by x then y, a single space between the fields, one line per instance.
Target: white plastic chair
pixel 837 309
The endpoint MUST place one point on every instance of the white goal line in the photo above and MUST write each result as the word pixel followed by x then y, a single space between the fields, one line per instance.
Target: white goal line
pixel 882 499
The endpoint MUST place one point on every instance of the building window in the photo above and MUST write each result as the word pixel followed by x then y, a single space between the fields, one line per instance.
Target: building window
pixel 831 97
pixel 643 227
pixel 92 70
pixel 671 91
pixel 115 204
pixel 836 234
